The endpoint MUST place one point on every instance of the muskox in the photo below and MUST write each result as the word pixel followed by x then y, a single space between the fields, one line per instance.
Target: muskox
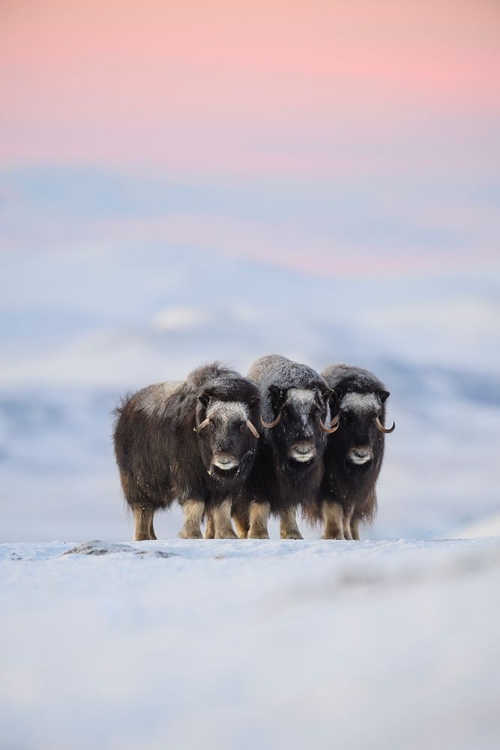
pixel 192 441
pixel 354 452
pixel 289 466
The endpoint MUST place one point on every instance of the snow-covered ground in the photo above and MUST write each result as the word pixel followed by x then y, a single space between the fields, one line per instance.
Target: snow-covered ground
pixel 249 644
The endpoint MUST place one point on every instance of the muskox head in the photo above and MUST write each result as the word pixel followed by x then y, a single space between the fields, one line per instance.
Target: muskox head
pixel 359 439
pixel 227 435
pixel 300 422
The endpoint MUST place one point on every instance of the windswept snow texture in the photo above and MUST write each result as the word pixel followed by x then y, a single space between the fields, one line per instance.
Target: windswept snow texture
pixel 248 644
pixel 81 328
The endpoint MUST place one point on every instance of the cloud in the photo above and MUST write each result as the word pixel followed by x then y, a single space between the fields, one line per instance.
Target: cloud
pixel 180 319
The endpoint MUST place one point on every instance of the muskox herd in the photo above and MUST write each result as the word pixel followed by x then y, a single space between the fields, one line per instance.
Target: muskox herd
pixel 230 448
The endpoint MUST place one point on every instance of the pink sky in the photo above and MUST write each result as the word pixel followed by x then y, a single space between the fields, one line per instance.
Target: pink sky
pixel 276 87
pixel 397 101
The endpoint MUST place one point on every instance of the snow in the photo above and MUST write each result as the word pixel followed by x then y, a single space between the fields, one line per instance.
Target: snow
pixel 246 644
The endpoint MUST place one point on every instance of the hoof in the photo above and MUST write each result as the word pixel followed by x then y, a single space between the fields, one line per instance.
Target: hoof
pixel 192 534
pixel 292 535
pixel 258 535
pixel 225 534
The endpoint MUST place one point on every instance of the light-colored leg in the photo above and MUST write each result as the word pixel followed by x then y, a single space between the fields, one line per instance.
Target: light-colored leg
pixel 152 534
pixel 143 520
pixel 333 520
pixel 288 525
pixel 240 520
pixel 210 526
pixel 193 513
pixel 355 529
pixel 346 522
pixel 259 513
pixel 241 528
pixel 222 520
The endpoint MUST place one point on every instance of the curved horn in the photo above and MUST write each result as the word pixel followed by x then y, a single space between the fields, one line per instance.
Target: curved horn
pixel 201 425
pixel 270 424
pixel 383 429
pixel 252 429
pixel 334 425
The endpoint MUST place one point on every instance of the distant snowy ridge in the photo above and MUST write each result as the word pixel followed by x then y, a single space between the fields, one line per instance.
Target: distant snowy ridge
pixel 489 526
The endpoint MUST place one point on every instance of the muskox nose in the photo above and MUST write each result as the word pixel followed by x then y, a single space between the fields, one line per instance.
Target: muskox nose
pixel 360 455
pixel 302 451
pixel 225 461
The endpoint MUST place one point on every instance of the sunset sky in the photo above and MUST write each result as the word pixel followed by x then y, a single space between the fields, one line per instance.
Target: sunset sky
pixel 338 128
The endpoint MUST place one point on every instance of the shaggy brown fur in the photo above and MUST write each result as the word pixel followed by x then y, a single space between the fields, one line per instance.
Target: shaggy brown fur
pixel 353 456
pixel 280 481
pixel 162 458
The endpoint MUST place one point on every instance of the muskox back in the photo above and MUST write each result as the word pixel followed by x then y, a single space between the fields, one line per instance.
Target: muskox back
pixel 192 441
pixel 288 467
pixel 354 453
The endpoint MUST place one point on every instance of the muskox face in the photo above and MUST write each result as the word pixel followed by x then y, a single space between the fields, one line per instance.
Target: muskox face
pixel 360 427
pixel 298 427
pixel 227 436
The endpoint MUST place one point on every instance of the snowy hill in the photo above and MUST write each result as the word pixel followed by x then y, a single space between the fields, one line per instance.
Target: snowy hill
pixel 245 644
pixel 488 526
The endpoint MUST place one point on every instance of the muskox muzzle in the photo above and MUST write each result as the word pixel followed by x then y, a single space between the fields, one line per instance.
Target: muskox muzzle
pixel 303 451
pixel 225 461
pixel 360 455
